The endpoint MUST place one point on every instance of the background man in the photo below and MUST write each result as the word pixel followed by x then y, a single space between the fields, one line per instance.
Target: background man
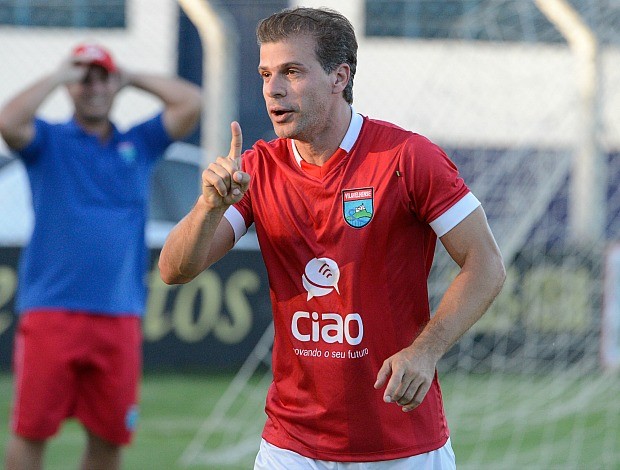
pixel 82 285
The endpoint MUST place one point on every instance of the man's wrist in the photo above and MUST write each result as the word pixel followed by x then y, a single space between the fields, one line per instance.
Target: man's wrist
pixel 210 210
pixel 432 343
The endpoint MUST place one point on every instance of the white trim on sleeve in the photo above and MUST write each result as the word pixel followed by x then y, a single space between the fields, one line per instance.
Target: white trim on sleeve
pixel 455 215
pixel 237 221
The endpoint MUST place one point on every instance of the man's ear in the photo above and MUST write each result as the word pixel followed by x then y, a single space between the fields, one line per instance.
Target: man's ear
pixel 341 75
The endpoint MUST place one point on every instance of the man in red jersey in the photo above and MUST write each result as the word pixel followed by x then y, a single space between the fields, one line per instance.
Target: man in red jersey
pixel 347 212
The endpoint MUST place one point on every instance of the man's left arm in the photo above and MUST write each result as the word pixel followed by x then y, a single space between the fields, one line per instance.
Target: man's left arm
pixel 182 100
pixel 409 373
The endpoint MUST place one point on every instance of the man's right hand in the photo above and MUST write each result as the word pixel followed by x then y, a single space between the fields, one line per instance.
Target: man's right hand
pixel 223 182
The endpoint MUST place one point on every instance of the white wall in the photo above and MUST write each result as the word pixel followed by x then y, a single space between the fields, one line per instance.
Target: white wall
pixel 461 92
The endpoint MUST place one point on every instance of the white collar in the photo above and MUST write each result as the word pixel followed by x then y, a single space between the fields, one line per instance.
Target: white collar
pixel 355 126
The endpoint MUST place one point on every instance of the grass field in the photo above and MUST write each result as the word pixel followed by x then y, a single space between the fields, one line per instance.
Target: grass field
pixel 499 423
pixel 171 410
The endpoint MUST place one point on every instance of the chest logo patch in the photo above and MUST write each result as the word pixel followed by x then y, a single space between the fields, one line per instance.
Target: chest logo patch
pixel 127 151
pixel 358 206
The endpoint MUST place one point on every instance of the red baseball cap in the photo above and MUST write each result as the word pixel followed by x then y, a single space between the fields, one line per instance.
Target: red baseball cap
pixel 94 54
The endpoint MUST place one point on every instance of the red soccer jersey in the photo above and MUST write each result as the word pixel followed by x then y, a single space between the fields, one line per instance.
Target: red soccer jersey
pixel 348 250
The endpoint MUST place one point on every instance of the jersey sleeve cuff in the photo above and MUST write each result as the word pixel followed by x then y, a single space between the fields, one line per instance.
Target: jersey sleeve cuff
pixel 237 222
pixel 453 216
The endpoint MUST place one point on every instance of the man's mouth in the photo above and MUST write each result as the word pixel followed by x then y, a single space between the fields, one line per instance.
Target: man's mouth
pixel 95 101
pixel 279 114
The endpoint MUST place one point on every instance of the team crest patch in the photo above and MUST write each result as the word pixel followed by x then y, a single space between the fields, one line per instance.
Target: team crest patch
pixel 127 151
pixel 358 206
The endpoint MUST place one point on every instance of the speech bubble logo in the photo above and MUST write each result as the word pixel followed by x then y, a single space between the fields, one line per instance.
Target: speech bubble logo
pixel 321 277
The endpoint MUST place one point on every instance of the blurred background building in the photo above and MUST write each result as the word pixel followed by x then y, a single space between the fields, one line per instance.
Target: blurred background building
pixel 482 75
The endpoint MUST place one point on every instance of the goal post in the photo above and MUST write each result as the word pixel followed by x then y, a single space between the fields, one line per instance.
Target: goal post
pixel 589 184
pixel 220 44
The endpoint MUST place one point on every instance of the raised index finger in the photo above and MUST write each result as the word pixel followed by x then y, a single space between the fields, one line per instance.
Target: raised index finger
pixel 236 143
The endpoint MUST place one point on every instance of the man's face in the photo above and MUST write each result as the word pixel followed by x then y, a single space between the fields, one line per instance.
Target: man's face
pixel 94 95
pixel 298 93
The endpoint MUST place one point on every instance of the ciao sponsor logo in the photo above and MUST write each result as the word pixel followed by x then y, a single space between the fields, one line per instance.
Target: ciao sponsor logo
pixel 328 327
pixel 320 277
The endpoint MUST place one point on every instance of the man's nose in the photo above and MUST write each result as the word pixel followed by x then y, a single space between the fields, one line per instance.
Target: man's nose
pixel 274 87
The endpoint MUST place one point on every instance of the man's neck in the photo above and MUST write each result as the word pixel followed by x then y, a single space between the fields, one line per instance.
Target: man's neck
pixel 322 147
pixel 100 128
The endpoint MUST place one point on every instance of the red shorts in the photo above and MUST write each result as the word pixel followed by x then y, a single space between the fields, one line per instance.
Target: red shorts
pixel 75 364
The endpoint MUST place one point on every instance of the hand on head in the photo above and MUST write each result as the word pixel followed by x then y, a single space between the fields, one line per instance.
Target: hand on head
pixel 82 62
pixel 71 71
pixel 124 77
pixel 223 182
